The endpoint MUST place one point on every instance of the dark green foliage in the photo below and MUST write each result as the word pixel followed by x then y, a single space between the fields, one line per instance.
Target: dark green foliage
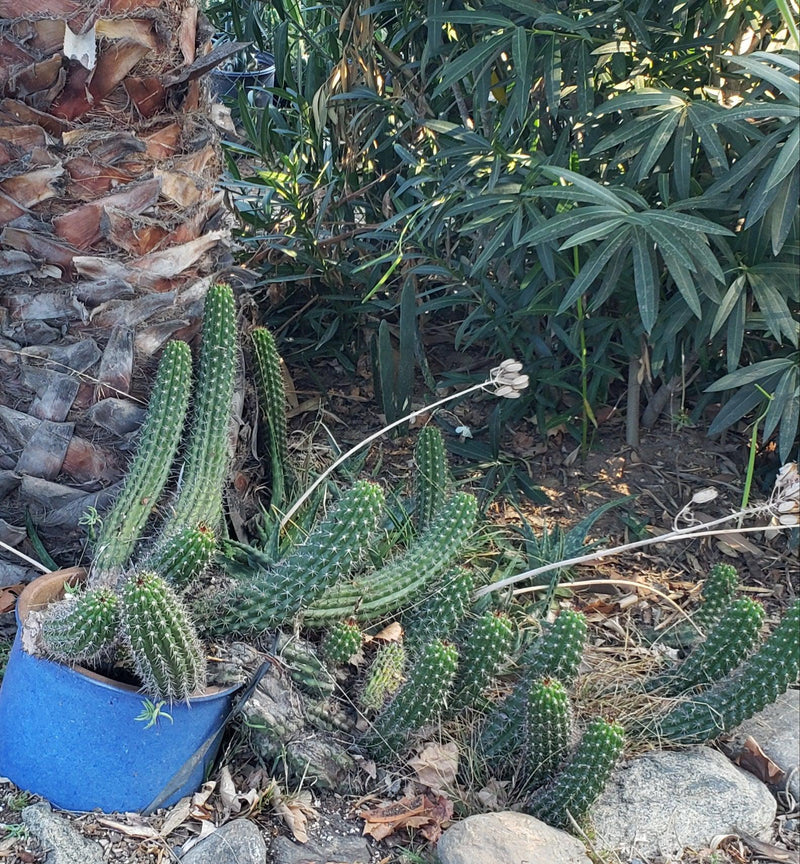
pixel 486 646
pixel 272 596
pixel 84 627
pixel 384 678
pixel 548 726
pixel 432 475
pixel 439 614
pixel 155 451
pixel 160 638
pixel 418 702
pixel 557 653
pixel 397 584
pixel 758 682
pixel 578 785
pixel 272 405
pixel 717 593
pixel 341 642
pixel 730 640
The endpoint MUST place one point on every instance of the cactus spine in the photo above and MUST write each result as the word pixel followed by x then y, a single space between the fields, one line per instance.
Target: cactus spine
pixel 83 627
pixel 417 703
pixel 547 731
pixel 580 783
pixel 399 582
pixel 341 642
pixel 384 678
pixel 432 475
pixel 440 614
pixel 272 596
pixel 758 682
pixel 485 648
pixel 272 403
pixel 717 594
pixel 558 654
pixel 730 640
pixel 166 654
pixel 158 441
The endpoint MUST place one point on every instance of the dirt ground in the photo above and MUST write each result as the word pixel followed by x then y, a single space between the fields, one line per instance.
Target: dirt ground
pixel 670 466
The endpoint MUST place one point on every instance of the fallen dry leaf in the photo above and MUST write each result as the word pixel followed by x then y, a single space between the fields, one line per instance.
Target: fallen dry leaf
pixel 436 766
pixel 140 832
pixel 417 811
pixel 179 814
pixel 391 633
pixel 494 796
pixel 295 812
pixel 754 760
pixel 8 597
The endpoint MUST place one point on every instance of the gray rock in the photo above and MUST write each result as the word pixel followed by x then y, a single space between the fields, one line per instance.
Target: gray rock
pixel 777 731
pixel 341 850
pixel 508 838
pixel 664 802
pixel 237 842
pixel 61 842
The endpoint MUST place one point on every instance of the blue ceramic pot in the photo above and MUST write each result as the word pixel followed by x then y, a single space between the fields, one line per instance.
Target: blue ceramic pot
pixel 72 736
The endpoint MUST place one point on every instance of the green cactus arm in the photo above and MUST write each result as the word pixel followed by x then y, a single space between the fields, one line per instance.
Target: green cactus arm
pixel 181 557
pixel 384 678
pixel 158 633
pixel 273 596
pixel 548 726
pixel 207 453
pixel 717 593
pixel 419 700
pixel 341 642
pixel 157 444
pixel 272 404
pixel 485 649
pixel 759 681
pixel 82 627
pixel 398 583
pixel 579 784
pixel 729 641
pixel 439 614
pixel 432 475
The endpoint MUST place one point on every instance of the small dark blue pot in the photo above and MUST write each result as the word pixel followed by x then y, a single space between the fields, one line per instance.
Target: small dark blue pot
pixel 72 736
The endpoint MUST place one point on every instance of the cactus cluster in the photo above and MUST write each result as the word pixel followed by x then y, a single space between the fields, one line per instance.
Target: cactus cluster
pixel 548 727
pixel 485 647
pixel 717 593
pixel 385 677
pixel 132 605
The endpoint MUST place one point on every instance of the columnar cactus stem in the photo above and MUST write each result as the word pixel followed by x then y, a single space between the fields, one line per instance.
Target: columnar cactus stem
pixel 439 615
pixel 758 682
pixel 272 403
pixel 384 678
pixel 159 636
pixel 580 783
pixel 432 475
pixel 547 731
pixel 184 555
pixel 730 640
pixel 717 593
pixel 273 596
pixel 158 442
pixel 399 582
pixel 486 647
pixel 341 642
pixel 82 628
pixel 417 703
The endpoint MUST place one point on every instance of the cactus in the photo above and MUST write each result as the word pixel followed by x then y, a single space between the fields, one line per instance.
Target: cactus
pixel 547 731
pixel 158 442
pixel 272 404
pixel 556 654
pixel 303 666
pixel 184 555
pixel 341 642
pixel 159 636
pixel 432 475
pixel 418 701
pixel 730 640
pixel 439 614
pixel 384 678
pixel 398 583
pixel 200 497
pixel 82 628
pixel 485 648
pixel 274 595
pixel 717 594
pixel 759 681
pixel 575 788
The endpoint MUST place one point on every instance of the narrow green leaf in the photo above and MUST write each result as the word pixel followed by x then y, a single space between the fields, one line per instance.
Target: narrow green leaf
pixel 593 267
pixel 594 189
pixel 655 147
pixel 749 374
pixel 728 302
pixel 784 391
pixel 645 278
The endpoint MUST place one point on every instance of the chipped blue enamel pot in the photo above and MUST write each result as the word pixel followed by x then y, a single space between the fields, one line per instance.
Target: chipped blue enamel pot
pixel 72 737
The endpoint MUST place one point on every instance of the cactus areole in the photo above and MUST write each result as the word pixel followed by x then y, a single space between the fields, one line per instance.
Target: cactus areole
pixel 85 741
